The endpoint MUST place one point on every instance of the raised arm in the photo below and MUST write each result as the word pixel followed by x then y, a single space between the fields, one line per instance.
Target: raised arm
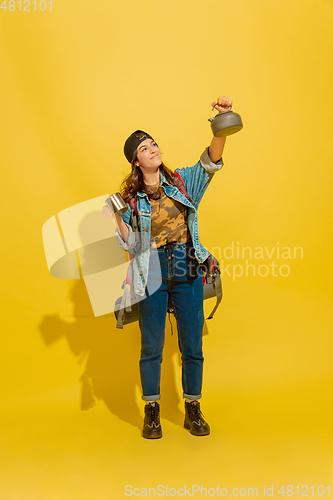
pixel 217 145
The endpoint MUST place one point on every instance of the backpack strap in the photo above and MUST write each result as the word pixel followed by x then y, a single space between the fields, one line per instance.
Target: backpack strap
pixel 212 275
pixel 135 205
pixel 210 272
pixel 218 290
pixel 125 305
pixel 135 216
pixel 184 191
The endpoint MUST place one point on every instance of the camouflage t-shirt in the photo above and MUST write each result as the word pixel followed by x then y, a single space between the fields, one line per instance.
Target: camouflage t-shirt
pixel 168 219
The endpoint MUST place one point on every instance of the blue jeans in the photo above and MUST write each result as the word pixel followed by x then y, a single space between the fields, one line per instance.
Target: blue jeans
pixel 172 270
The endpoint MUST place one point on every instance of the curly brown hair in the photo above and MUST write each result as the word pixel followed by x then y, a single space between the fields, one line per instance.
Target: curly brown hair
pixel 134 182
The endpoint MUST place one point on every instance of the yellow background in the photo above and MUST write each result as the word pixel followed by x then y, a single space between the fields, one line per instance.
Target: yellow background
pixel 75 82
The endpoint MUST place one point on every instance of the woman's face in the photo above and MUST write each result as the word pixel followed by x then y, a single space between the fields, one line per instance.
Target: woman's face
pixel 148 155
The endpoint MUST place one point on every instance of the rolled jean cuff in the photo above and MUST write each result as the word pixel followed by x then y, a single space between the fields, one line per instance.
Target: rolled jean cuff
pixel 156 397
pixel 189 396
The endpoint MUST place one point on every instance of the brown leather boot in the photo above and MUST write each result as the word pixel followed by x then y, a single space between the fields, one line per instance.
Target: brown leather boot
pixel 151 426
pixel 194 419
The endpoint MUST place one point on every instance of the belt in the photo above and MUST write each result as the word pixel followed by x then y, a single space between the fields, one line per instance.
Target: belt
pixel 169 247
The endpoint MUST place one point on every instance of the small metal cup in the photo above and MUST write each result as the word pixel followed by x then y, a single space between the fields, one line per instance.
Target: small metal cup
pixel 117 204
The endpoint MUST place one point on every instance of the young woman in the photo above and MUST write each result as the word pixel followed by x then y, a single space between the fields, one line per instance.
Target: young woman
pixel 166 262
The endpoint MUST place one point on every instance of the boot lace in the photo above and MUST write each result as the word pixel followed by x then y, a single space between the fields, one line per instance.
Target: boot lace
pixel 152 416
pixel 195 413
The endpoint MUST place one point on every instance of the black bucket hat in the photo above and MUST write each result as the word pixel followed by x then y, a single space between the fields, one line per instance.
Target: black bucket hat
pixel 133 142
